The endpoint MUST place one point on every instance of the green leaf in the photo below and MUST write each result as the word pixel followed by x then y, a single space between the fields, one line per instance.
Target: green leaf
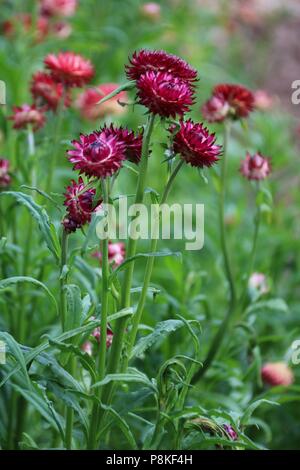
pixel 74 306
pixel 161 330
pixel 41 216
pixel 121 423
pixel 127 86
pixel 6 283
pixel 14 349
pixel 28 443
pixel 278 305
pixel 251 408
pixel 134 376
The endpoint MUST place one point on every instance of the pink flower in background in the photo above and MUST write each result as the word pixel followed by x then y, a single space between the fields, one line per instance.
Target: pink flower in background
pixel 151 11
pixel 263 100
pixel 255 167
pixel 277 373
pixel 79 202
pixel 87 348
pixel 159 61
pixel 164 94
pixel 258 282
pixel 87 102
pixel 116 253
pixel 194 143
pixel 228 101
pixel 70 69
pixel 5 178
pixel 62 29
pixel 46 91
pixel 97 154
pixel 109 335
pixel 58 7
pixel 27 115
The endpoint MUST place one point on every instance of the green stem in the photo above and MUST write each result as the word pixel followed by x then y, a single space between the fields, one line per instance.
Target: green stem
pixel 56 144
pixel 218 339
pixel 117 345
pixel 70 411
pixel 103 326
pixel 63 262
pixel 149 268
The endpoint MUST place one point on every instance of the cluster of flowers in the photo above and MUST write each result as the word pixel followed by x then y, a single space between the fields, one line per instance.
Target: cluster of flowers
pixel 50 20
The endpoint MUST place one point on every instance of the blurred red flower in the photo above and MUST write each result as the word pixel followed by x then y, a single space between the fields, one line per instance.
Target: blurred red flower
pixel 116 253
pixel 69 68
pixel 255 167
pixel 277 373
pixel 27 115
pixel 228 101
pixel 87 102
pixel 5 178
pixel 46 91
pixel 58 7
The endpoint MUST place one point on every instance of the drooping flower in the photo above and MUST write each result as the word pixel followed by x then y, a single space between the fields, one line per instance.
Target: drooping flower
pixel 5 178
pixel 164 94
pixel 195 144
pixel 58 7
pixel 228 101
pixel 27 115
pixel 277 373
pixel 255 167
pixel 258 283
pixel 133 142
pixel 87 102
pixel 97 154
pixel 151 11
pixel 230 432
pixel 116 253
pixel 46 91
pixel 159 61
pixel 79 201
pixel 69 68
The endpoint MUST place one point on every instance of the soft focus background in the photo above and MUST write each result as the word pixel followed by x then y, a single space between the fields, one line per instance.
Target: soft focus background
pixel 252 42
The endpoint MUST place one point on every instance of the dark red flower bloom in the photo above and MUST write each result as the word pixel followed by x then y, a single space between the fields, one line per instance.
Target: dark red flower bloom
pixel 234 101
pixel 255 167
pixel 88 102
pixel 5 179
pixel 58 7
pixel 164 94
pixel 27 115
pixel 69 68
pixel 79 203
pixel 277 373
pixel 46 91
pixel 195 144
pixel 133 143
pixel 98 154
pixel 159 61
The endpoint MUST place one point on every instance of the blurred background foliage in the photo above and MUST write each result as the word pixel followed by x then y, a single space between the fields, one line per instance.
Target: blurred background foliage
pixel 226 41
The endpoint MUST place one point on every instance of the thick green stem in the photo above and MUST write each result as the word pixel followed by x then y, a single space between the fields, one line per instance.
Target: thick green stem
pixel 218 339
pixel 103 327
pixel 117 345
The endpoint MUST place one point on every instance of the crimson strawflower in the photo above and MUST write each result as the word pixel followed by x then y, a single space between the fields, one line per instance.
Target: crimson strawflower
pixel 79 201
pixel 228 101
pixel 159 61
pixel 88 102
pixel 58 7
pixel 99 154
pixel 46 91
pixel 5 178
pixel 164 94
pixel 69 68
pixel 27 115
pixel 255 167
pixel 277 373
pixel 195 144
pixel 133 142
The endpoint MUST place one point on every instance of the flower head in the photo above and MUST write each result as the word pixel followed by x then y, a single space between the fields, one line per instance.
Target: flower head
pixel 98 154
pixel 116 253
pixel 258 283
pixel 79 203
pixel 46 91
pixel 195 144
pixel 230 432
pixel 255 167
pixel 151 11
pixel 133 142
pixel 164 94
pixel 5 179
pixel 228 101
pixel 27 115
pixel 109 335
pixel 277 373
pixel 87 102
pixel 69 68
pixel 159 61
pixel 58 7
